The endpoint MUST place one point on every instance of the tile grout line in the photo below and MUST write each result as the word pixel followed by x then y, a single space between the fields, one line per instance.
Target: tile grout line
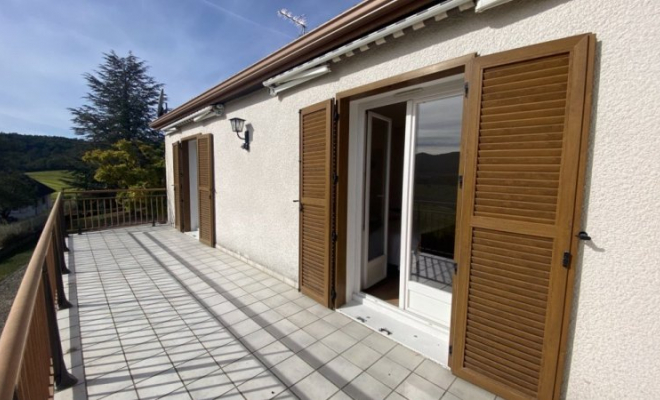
pixel 319 340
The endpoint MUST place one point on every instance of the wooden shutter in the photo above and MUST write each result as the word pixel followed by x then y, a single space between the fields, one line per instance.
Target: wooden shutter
pixel 315 200
pixel 176 166
pixel 206 188
pixel 527 115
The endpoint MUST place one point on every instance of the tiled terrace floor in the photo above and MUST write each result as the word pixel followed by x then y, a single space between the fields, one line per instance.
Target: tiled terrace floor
pixel 160 315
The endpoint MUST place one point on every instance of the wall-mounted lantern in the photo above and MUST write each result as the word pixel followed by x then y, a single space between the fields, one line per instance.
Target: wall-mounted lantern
pixel 237 126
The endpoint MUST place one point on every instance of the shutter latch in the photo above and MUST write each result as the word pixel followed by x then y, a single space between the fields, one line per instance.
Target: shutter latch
pixel 460 181
pixel 467 88
pixel 451 348
pixel 566 259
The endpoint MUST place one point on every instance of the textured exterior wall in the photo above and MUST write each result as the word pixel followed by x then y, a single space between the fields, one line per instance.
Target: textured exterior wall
pixel 614 350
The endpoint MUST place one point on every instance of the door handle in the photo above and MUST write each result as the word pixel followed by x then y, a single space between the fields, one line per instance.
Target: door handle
pixel 583 236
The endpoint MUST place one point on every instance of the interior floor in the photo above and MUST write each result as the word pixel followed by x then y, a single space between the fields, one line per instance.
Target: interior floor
pixel 387 289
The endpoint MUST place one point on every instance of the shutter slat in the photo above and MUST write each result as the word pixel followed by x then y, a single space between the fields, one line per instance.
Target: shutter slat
pixel 176 167
pixel 315 192
pixel 524 121
pixel 206 189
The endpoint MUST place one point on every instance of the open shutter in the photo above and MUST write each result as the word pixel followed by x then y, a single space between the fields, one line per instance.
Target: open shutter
pixel 524 152
pixel 206 187
pixel 176 166
pixel 315 200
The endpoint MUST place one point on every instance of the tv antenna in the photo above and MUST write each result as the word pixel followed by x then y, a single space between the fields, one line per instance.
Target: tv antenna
pixel 297 20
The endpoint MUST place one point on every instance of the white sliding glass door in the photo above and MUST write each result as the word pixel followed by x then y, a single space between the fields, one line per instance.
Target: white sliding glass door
pixel 431 173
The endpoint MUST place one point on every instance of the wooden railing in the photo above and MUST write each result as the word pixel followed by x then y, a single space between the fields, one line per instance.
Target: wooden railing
pixel 102 209
pixel 31 361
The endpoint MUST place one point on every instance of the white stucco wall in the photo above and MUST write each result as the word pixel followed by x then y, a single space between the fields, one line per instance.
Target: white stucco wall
pixel 614 351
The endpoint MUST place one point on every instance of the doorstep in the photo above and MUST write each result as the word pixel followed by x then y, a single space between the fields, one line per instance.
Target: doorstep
pixel 407 330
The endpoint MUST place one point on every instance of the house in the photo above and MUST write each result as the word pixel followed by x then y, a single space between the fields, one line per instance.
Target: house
pixel 42 201
pixel 475 182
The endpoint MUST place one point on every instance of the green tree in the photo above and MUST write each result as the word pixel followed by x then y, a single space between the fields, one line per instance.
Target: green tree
pixel 121 102
pixel 129 165
pixel 16 191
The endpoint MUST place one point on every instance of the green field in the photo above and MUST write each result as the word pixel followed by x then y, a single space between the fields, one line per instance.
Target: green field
pixel 56 180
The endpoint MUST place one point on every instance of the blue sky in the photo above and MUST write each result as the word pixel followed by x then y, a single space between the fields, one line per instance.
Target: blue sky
pixel 46 46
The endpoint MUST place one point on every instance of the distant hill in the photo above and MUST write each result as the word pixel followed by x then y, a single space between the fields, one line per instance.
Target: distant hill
pixel 436 167
pixel 40 153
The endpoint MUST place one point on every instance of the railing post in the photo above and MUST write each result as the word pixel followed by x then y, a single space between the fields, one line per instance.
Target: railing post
pixel 63 379
pixel 60 247
pixel 58 259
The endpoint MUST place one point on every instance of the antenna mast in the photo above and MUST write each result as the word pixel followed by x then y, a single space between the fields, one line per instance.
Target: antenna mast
pixel 298 20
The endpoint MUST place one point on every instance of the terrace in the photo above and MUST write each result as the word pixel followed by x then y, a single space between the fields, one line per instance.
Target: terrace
pixel 156 314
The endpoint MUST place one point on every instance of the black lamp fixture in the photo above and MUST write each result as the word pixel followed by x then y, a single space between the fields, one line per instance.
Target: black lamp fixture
pixel 237 126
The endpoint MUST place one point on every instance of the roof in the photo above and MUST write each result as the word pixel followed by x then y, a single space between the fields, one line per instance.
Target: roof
pixel 365 17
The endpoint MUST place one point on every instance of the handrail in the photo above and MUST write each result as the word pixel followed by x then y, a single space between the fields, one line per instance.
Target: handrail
pixel 112 191
pixel 100 209
pixel 30 341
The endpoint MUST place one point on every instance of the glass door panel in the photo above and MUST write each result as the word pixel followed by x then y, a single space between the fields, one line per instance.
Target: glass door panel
pixel 433 186
pixel 376 201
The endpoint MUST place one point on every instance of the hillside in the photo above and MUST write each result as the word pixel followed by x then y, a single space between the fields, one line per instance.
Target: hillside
pixel 40 153
pixel 57 180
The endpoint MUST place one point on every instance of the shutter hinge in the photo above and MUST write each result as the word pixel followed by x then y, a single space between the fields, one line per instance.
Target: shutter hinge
pixel 335 179
pixel 460 181
pixel 336 116
pixel 455 268
pixel 333 295
pixel 467 88
pixel 451 348
pixel 566 259
pixel 334 236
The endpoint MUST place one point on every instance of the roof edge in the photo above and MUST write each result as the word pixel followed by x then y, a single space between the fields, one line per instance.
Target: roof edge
pixel 362 18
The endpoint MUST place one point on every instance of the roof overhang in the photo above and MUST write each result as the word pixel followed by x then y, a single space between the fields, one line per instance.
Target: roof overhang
pixel 308 57
pixel 319 65
pixel 215 110
pixel 357 21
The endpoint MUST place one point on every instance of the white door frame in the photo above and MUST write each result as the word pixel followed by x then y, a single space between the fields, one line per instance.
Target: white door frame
pixel 356 151
pixel 380 262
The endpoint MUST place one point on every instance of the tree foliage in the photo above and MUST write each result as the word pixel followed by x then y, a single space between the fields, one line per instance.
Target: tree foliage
pixel 16 191
pixel 121 101
pixel 40 153
pixel 129 165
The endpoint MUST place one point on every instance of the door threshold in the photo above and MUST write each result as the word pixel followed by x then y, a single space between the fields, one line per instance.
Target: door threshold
pixel 194 234
pixel 429 340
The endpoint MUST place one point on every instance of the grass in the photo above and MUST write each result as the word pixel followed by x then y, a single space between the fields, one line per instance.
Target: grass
pixel 56 180
pixel 17 260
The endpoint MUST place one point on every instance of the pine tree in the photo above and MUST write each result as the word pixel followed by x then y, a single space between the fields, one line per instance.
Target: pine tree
pixel 122 101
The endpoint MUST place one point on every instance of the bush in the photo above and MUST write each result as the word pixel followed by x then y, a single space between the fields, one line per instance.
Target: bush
pixel 19 230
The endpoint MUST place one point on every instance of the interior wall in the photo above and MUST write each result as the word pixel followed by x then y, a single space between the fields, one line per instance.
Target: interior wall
pixel 614 322
pixel 194 185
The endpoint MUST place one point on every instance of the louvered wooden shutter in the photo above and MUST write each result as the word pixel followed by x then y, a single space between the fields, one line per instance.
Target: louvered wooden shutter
pixel 206 187
pixel 315 200
pixel 176 166
pixel 526 117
